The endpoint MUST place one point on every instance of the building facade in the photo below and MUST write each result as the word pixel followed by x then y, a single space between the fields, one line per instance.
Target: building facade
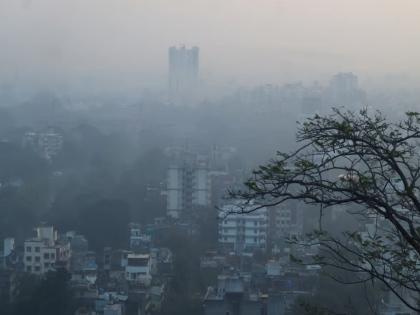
pixel 344 90
pixel 44 252
pixel 48 144
pixel 183 72
pixel 243 231
pixel 188 186
pixel 138 268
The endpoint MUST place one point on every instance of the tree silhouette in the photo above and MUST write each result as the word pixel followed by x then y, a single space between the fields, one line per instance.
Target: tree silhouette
pixel 368 165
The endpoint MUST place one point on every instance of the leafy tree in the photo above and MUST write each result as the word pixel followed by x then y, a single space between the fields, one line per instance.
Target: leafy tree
pixel 208 226
pixel 140 185
pixel 46 296
pixel 16 214
pixel 187 283
pixel 105 223
pixel 332 298
pixel 370 166
pixel 18 163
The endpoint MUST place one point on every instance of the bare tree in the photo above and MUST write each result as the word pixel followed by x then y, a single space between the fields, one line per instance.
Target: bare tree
pixel 369 165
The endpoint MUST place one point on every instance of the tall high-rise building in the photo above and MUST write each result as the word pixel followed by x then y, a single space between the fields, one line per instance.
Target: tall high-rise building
pixel 344 90
pixel 188 186
pixel 183 72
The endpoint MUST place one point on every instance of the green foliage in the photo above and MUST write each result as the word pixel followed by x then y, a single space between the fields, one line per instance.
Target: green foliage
pixel 105 223
pixel 303 165
pixel 17 163
pixel 46 296
pixel 333 298
pixel 17 215
pixel 188 282
pixel 140 186
pixel 368 165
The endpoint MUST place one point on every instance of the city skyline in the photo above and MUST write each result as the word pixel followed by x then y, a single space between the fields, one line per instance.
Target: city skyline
pixel 277 41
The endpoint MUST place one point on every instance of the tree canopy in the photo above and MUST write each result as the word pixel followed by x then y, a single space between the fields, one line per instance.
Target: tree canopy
pixel 370 166
pixel 105 223
pixel 48 295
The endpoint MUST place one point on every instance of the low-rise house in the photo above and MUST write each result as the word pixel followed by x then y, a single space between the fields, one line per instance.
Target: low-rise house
pixel 45 252
pixel 138 238
pixel 115 260
pixel 138 269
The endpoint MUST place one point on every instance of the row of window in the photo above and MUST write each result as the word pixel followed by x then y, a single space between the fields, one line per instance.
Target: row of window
pixel 38 258
pixel 225 239
pixel 38 268
pixel 29 249
pixel 283 222
pixel 285 214
pixel 256 231
pixel 261 222
pixel 134 276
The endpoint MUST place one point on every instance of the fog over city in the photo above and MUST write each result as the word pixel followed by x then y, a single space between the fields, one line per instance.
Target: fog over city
pixel 197 157
pixel 121 44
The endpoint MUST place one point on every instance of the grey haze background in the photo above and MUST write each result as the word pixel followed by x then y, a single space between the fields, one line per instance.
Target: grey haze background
pixel 122 44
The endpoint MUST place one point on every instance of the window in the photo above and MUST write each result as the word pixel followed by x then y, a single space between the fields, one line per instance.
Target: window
pixel 46 265
pixel 28 258
pixel 46 256
pixel 37 268
pixel 37 259
pixel 28 249
pixel 29 269
pixel 37 249
pixel 255 239
pixel 52 256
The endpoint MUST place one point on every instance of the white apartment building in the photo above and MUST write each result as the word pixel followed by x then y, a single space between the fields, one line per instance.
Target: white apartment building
pixel 44 253
pixel 48 144
pixel 242 231
pixel 138 268
pixel 188 185
pixel 286 222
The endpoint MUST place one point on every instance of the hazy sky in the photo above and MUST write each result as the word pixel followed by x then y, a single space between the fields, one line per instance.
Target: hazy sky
pixel 243 40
